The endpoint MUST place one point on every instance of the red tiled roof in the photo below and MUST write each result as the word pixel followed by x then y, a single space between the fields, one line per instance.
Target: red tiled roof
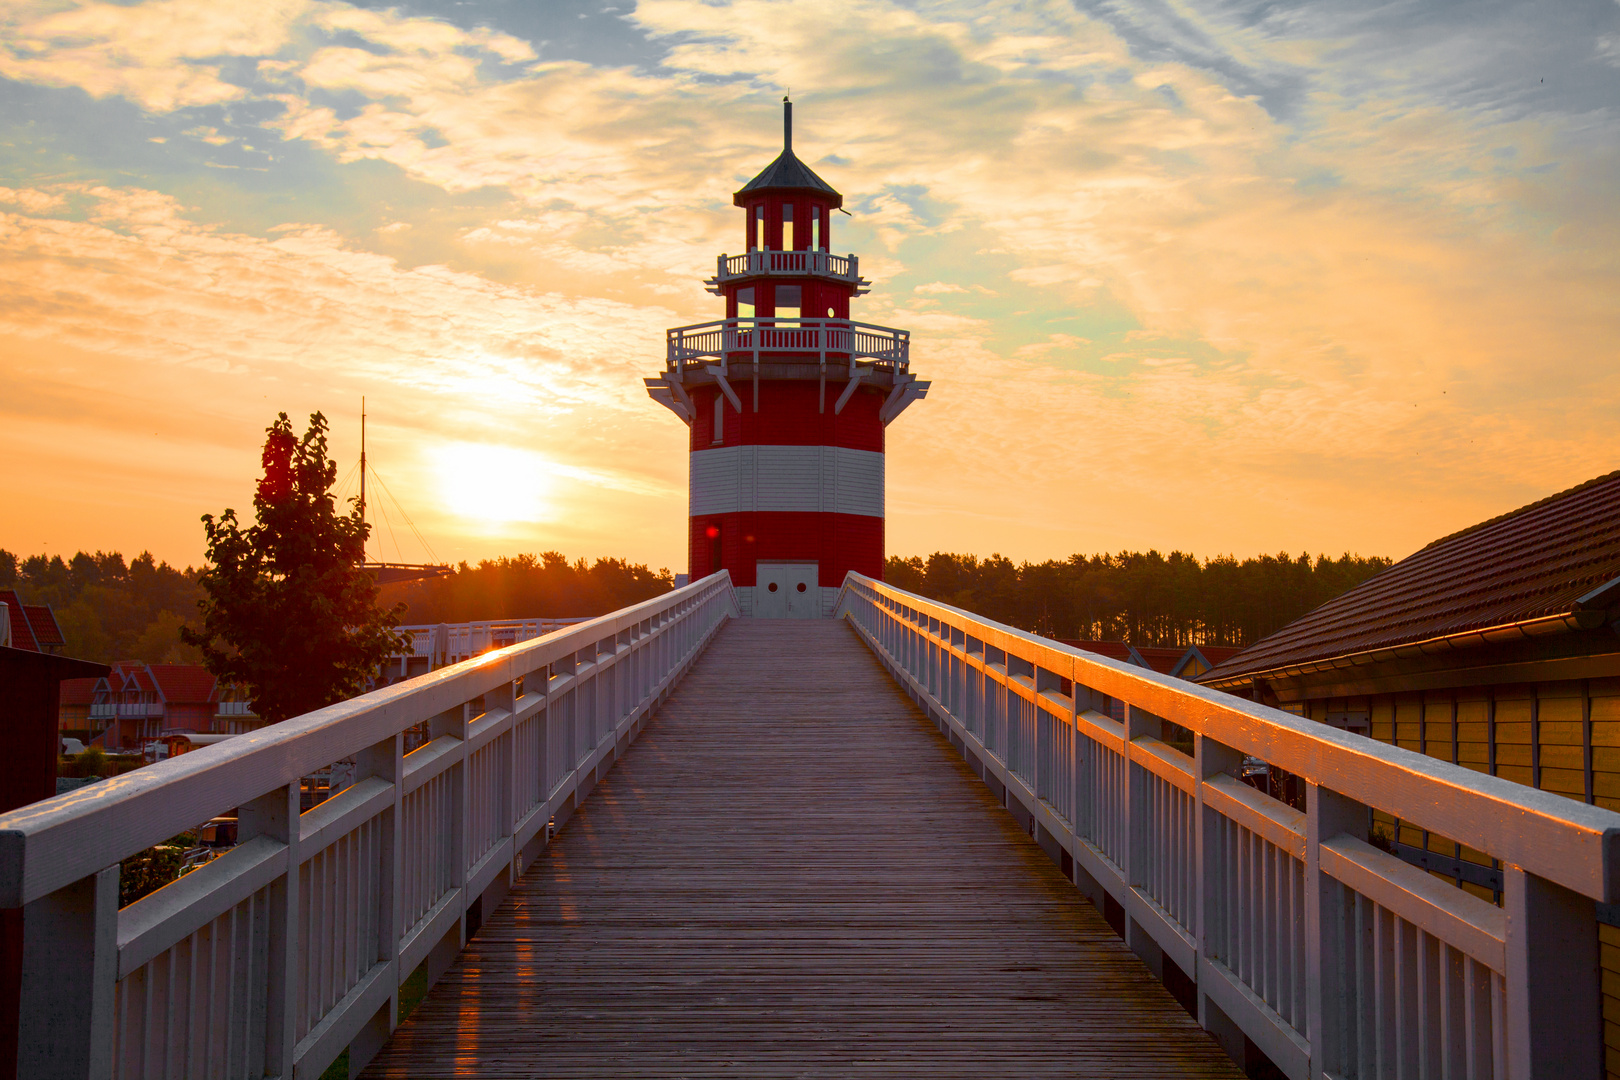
pixel 1217 654
pixel 1162 660
pixel 184 684
pixel 43 622
pixel 1539 561
pixel 22 636
pixel 77 691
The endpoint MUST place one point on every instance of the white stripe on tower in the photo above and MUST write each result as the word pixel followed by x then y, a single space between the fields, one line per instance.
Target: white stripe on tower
pixel 816 479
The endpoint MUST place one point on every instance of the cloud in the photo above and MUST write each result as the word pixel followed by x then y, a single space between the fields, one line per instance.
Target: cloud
pixel 162 55
pixel 1308 257
pixel 256 322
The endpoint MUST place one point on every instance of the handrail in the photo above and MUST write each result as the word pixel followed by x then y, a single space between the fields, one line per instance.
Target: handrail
pixel 1331 955
pixel 839 340
pixel 307 928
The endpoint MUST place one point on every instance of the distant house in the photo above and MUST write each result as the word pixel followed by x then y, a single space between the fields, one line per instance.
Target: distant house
pixel 1181 663
pixel 138 702
pixel 32 627
pixel 234 715
pixel 73 708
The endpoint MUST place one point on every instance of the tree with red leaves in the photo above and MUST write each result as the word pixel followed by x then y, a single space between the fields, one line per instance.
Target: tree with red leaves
pixel 290 612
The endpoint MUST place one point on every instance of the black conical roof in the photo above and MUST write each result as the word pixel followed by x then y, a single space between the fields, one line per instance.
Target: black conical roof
pixel 787 172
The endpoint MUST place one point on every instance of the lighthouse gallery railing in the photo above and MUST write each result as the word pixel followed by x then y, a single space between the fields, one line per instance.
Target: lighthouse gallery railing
pixel 765 263
pixel 1331 955
pixel 292 945
pixel 831 340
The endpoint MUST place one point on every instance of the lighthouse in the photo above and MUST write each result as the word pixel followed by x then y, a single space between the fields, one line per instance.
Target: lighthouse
pixel 787 399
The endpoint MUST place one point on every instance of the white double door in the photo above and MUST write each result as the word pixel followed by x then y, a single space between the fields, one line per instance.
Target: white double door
pixel 784 590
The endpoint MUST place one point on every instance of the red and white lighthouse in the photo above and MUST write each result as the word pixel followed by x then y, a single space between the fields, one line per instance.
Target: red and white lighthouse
pixel 787 400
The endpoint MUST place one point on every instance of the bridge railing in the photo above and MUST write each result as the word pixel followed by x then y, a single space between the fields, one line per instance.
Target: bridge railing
pixel 291 946
pixel 1332 956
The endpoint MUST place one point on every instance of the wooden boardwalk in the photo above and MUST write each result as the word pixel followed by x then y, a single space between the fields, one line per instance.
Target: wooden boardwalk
pixel 792 874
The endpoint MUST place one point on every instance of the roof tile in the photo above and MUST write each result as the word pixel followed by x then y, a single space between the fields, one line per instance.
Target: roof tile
pixel 22 636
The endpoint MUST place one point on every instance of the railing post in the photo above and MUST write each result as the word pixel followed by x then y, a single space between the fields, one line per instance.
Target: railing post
pixel 275 815
pixel 1139 723
pixel 1212 759
pixel 454 722
pixel 1327 977
pixel 385 761
pixel 1554 999
pixel 69 975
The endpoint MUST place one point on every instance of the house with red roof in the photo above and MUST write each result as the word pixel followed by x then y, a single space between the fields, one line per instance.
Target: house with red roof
pixel 1181 663
pixel 137 702
pixel 32 627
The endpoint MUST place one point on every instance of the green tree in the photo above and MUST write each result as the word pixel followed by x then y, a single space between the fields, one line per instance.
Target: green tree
pixel 289 611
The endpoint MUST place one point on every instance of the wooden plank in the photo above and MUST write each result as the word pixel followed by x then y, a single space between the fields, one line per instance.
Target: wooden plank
pixel 791 873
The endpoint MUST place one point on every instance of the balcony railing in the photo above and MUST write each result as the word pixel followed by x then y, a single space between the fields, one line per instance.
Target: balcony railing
pixel 845 268
pixel 830 340
pixel 106 710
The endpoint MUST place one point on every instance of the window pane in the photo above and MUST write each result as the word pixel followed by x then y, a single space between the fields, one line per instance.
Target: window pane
pixel 745 303
pixel 788 296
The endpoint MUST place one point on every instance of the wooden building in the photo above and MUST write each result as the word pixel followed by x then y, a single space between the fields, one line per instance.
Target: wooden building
pixel 1497 648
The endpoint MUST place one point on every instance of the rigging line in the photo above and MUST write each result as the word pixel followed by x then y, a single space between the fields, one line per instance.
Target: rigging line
pixel 399 555
pixel 432 556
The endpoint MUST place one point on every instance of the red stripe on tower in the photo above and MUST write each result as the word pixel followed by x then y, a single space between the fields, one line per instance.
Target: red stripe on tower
pixel 787 399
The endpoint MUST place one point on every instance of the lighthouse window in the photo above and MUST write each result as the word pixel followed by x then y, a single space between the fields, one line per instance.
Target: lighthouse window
pixel 789 299
pixel 719 418
pixel 815 231
pixel 756 225
pixel 787 227
pixel 745 303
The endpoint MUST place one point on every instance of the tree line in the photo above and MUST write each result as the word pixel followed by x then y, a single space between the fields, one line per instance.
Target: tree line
pixel 1142 597
pixel 110 609
pixel 543 586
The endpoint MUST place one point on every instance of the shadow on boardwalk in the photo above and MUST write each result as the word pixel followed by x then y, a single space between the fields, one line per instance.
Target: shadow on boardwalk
pixel 792 874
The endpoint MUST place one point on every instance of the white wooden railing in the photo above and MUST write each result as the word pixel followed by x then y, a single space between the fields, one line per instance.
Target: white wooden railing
pixel 449 643
pixel 1332 956
pixel 831 340
pixel 759 263
pixel 272 959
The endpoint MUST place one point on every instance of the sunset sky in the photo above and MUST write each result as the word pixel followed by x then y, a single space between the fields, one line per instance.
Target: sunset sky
pixel 1223 277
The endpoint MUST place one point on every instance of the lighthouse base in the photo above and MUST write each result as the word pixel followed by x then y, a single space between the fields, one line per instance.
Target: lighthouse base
pixel 759 602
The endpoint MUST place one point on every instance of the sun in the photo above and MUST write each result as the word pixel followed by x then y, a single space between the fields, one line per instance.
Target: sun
pixel 498 484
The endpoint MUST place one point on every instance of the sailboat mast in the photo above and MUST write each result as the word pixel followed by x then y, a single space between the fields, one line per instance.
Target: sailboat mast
pixel 362 460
